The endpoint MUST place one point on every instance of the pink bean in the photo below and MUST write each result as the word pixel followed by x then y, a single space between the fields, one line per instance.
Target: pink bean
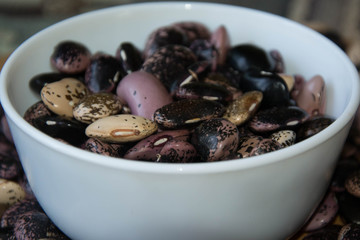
pixel 143 93
pixel 312 96
pixel 221 41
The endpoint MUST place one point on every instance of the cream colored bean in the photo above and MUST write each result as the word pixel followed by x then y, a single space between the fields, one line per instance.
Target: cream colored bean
pixel 284 137
pixel 121 128
pixel 96 106
pixel 10 192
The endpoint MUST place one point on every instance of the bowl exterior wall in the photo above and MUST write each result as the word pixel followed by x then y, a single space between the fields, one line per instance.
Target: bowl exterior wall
pixel 266 202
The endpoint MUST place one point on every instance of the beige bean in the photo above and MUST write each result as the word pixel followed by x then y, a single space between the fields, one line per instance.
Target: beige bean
pixel 10 192
pixel 62 96
pixel 121 128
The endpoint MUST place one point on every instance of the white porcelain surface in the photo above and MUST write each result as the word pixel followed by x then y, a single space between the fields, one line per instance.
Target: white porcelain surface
pixel 94 197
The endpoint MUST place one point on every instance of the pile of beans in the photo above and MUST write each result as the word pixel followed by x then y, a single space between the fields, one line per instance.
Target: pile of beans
pixel 224 88
pixel 188 96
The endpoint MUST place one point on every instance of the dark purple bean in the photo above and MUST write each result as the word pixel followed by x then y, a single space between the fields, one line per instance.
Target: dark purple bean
pixel 37 110
pixel 11 215
pixel 312 127
pixel 343 169
pixel 193 73
pixel 275 119
pixel 203 90
pixel 107 149
pixel 9 159
pixel 215 139
pixel 39 81
pixel 36 225
pixel 350 231
pixel 31 225
pixel 349 207
pixel 168 62
pixel 5 129
pixel 70 57
pixel 330 232
pixel 103 73
pixel 219 79
pixel 177 151
pixel 324 213
pixel 7 234
pixel 163 36
pixel 193 30
pixel 9 167
pixel 2 113
pixel 70 131
pixel 352 184
pixel 203 50
pixel 187 113
pixel 148 148
pixel 273 87
pixel 245 57
pixel 279 65
pixel 7 148
pixel 129 57
pixel 234 76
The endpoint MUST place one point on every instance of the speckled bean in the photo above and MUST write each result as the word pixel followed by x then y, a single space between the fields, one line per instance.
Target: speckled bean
pixel 187 113
pixel 10 216
pixel 95 106
pixel 62 96
pixel 240 110
pixel 215 139
pixel 9 168
pixel 35 111
pixel 10 192
pixel 70 57
pixel 286 138
pixel 107 149
pixel 275 119
pixel 352 184
pixel 350 231
pixel 256 145
pixel 324 214
pixel 129 57
pixel 177 151
pixel 121 128
pixel 148 148
pixel 103 73
pixel 169 61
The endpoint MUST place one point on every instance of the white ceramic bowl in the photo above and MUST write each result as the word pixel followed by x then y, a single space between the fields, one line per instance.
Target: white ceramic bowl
pixel 95 197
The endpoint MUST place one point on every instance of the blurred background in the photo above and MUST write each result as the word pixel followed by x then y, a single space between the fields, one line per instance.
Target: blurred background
pixel 19 19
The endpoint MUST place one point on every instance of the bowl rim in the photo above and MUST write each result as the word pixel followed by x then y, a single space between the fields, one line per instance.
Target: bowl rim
pixel 177 168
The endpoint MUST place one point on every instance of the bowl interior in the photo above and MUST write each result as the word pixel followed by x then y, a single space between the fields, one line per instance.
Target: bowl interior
pixel 305 52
